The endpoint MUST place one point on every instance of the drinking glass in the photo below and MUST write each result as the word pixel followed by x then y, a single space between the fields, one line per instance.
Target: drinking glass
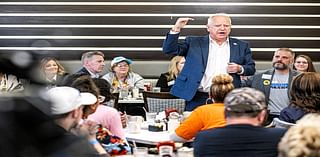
pixel 140 151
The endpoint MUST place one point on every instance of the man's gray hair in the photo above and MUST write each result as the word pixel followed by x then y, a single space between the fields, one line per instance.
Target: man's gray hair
pixel 217 14
pixel 89 54
pixel 286 49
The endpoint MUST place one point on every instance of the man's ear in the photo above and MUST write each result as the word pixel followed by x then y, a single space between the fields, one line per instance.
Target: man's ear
pixel 75 113
pixel 262 116
pixel 207 28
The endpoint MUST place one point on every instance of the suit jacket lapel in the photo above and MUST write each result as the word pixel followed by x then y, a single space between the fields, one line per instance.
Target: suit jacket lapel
pixel 204 45
pixel 234 50
pixel 267 87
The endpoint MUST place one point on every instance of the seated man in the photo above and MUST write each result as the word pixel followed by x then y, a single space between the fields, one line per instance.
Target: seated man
pixel 67 109
pixel 245 111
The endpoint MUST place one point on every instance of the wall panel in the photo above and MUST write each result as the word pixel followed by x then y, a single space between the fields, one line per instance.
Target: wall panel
pixel 136 28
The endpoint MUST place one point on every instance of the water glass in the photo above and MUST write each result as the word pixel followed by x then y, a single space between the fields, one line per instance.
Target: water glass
pixel 124 93
pixel 135 92
pixel 140 151
pixel 151 117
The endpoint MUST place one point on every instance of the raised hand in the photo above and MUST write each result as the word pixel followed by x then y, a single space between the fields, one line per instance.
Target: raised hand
pixel 86 128
pixel 180 23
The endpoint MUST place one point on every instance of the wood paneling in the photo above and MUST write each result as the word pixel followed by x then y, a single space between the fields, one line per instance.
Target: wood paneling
pixel 140 43
pixel 160 32
pixel 153 27
pixel 161 9
pixel 155 20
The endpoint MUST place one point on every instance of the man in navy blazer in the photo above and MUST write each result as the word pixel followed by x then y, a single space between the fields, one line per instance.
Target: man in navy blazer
pixel 93 64
pixel 217 51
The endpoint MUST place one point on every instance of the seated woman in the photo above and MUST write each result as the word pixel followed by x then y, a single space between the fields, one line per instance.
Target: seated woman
pixel 206 116
pixel 305 97
pixel 303 63
pixel 121 76
pixel 107 116
pixel 51 71
pixel 166 80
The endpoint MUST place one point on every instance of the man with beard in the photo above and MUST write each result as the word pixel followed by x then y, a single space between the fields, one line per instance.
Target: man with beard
pixel 275 83
pixel 79 136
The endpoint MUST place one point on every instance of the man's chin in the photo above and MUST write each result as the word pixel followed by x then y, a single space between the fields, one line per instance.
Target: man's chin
pixel 280 67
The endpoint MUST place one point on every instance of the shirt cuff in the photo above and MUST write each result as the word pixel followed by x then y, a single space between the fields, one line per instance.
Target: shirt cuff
pixel 173 32
pixel 241 70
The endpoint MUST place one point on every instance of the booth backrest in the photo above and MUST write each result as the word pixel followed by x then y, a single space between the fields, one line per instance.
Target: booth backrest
pixel 153 69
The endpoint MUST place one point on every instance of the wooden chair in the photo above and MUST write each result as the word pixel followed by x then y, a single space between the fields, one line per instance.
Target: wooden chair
pixel 160 101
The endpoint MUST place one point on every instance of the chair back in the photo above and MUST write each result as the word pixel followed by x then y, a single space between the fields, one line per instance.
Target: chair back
pixel 160 101
pixel 282 124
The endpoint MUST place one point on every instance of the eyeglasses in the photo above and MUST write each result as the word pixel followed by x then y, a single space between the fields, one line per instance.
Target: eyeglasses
pixel 101 98
pixel 123 65
pixel 298 62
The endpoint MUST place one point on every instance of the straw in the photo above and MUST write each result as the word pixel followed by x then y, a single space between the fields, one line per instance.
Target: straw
pixel 126 116
pixel 134 144
pixel 145 110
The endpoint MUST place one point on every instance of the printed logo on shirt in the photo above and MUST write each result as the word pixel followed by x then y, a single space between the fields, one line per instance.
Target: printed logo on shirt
pixel 279 85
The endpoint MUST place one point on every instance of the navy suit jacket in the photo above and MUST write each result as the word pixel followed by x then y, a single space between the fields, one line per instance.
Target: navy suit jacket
pixel 196 49
pixel 83 71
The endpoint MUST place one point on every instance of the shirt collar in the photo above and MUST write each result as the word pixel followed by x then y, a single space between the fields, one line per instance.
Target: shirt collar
pixel 53 79
pixel 214 42
pixel 92 74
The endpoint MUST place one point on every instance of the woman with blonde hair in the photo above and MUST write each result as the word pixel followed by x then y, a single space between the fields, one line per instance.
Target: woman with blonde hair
pixel 166 80
pixel 51 71
pixel 302 140
pixel 209 115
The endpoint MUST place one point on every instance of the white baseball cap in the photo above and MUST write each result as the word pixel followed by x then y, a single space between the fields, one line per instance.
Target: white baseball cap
pixel 120 59
pixel 66 99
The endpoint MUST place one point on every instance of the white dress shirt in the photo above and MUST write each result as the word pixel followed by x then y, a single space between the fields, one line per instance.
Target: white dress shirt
pixel 218 59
